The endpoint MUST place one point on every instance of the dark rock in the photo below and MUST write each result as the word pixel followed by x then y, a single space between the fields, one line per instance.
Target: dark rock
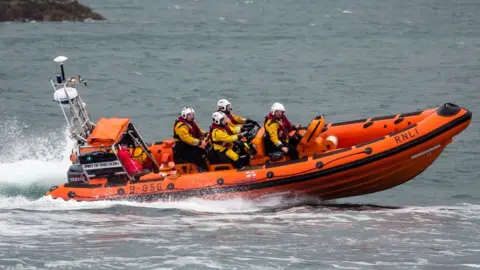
pixel 45 10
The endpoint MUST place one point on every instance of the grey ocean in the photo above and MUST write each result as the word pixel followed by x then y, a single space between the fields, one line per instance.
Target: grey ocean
pixel 344 59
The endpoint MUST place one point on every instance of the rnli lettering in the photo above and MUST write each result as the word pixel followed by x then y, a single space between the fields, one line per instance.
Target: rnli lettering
pixel 405 136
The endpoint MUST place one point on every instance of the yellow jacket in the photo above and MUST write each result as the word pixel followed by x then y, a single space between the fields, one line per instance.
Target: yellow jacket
pixel 182 133
pixel 222 140
pixel 238 119
pixel 236 128
pixel 271 127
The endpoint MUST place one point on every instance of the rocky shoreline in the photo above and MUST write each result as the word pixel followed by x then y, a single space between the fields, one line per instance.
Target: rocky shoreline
pixel 46 10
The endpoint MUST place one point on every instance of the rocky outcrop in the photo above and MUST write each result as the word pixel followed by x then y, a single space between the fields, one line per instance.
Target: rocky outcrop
pixel 46 10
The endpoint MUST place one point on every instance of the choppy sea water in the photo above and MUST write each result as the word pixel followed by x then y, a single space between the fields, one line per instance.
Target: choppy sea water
pixel 344 59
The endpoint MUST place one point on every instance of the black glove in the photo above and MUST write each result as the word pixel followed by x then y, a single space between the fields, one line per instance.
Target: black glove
pixel 241 135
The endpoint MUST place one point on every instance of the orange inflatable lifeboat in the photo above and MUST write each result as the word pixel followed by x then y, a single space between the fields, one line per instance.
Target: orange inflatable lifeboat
pixel 337 160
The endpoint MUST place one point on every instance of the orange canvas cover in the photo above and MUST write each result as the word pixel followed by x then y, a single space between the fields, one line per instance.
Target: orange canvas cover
pixel 108 131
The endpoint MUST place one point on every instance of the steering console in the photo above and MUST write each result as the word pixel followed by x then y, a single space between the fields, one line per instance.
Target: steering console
pixel 252 133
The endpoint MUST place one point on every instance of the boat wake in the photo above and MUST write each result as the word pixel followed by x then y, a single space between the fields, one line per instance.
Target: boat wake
pixel 269 210
pixel 30 164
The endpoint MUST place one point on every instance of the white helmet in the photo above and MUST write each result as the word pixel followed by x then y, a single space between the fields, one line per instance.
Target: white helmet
pixel 277 107
pixel 186 111
pixel 222 105
pixel 218 117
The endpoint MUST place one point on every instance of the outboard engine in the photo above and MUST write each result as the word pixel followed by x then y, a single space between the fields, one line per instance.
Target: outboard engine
pixel 76 175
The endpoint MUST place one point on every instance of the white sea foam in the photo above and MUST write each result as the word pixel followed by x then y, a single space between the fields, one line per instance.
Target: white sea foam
pixel 26 159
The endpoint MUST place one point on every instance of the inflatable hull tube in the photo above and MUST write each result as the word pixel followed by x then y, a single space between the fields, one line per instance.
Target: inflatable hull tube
pixel 370 155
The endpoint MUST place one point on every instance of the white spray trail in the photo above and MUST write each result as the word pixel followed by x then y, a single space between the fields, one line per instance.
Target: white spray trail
pixel 27 159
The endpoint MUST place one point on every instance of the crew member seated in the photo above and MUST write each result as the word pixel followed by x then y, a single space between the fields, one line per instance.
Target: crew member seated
pixel 277 129
pixel 131 165
pixel 223 139
pixel 187 135
pixel 237 124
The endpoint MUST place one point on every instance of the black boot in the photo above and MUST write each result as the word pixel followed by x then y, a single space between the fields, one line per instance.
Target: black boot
pixel 241 162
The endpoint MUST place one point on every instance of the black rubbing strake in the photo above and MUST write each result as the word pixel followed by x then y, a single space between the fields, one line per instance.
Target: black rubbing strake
pixel 288 162
pixel 383 117
pixel 317 156
pixel 411 114
pixel 369 142
pixel 79 185
pixel 349 122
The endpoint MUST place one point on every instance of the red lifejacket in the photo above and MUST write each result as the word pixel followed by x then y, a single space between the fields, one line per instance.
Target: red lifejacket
pixel 222 127
pixel 230 116
pixel 131 165
pixel 193 128
pixel 284 126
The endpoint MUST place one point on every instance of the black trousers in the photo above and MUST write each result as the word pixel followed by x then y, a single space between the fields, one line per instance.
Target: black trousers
pixel 270 147
pixel 189 153
pixel 219 157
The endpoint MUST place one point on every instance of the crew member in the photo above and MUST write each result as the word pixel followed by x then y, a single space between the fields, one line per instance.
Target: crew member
pixel 188 140
pixel 223 139
pixel 235 122
pixel 277 129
